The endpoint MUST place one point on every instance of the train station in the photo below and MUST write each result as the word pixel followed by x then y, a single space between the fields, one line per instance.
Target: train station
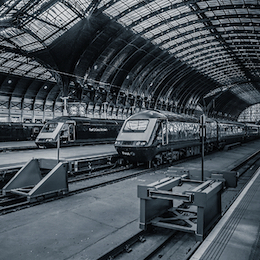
pixel 130 129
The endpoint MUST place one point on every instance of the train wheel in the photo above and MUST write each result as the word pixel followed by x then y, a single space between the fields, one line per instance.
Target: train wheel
pixel 157 160
pixel 153 163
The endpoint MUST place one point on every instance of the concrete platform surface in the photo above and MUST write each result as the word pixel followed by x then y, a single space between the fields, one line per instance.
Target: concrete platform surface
pixel 21 157
pixel 86 225
pixel 15 144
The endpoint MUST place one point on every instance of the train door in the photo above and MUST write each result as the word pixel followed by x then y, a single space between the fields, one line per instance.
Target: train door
pixel 71 130
pixel 161 133
pixel 67 133
pixel 164 132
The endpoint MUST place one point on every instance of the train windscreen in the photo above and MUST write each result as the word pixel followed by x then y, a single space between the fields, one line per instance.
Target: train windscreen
pixel 136 125
pixel 49 127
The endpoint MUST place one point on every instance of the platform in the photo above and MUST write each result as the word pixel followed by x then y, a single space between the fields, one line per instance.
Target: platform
pixel 19 158
pixel 17 145
pixel 236 236
pixel 86 225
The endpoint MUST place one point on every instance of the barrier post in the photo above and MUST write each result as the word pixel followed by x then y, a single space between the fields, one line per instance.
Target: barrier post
pixel 58 148
pixel 202 137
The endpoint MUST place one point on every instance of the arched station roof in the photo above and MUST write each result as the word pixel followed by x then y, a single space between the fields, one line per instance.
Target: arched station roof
pixel 174 55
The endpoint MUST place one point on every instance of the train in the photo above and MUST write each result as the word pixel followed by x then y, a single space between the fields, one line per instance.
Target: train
pixel 72 130
pixel 156 136
pixel 18 131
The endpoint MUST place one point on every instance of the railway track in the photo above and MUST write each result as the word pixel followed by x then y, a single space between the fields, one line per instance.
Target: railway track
pixel 96 176
pixel 99 176
pixel 12 203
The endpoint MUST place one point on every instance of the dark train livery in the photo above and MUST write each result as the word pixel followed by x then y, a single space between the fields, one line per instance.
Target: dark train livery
pixel 77 131
pixel 19 131
pixel 160 136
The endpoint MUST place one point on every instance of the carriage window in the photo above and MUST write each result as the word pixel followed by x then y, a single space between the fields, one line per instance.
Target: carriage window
pixel 50 127
pixel 136 125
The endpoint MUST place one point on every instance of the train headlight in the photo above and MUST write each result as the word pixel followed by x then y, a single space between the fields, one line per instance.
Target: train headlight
pixel 140 143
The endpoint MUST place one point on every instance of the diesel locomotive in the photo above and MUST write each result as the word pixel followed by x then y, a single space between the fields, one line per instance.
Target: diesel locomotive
pixel 78 131
pixel 160 136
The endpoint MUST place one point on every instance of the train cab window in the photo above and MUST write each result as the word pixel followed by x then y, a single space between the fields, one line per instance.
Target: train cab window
pixel 50 127
pixel 136 125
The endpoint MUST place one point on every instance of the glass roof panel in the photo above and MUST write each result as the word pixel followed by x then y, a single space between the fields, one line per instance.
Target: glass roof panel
pixel 23 40
pixel 162 38
pixel 200 34
pixel 81 5
pixel 49 24
pixel 59 33
pixel 118 7
pixel 135 15
pixel 20 4
pixel 34 46
pixel 57 15
pixel 153 20
pixel 11 64
pixel 147 9
pixel 26 67
pixel 41 29
pixel 174 12
pixel 106 2
pixel 213 3
pixel 202 4
pixel 10 32
pixel 126 20
pixel 165 3
pixel 6 44
pixel 38 70
pixel 20 65
pixel 143 25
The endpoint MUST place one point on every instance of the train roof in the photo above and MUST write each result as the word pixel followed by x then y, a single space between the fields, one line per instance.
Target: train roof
pixel 82 119
pixel 229 122
pixel 171 116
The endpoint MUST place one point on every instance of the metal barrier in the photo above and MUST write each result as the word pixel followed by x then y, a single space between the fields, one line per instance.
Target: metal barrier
pixel 39 178
pixel 229 178
pixel 181 204
pixel 76 165
pixel 46 177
